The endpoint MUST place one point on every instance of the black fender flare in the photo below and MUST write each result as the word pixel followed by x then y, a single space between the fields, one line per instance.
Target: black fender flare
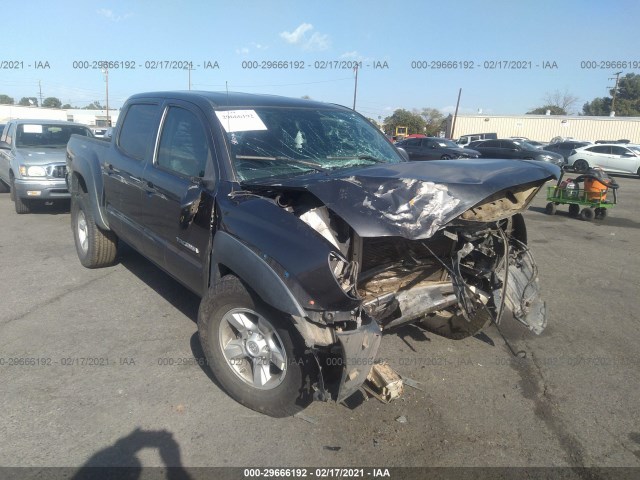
pixel 87 170
pixel 231 253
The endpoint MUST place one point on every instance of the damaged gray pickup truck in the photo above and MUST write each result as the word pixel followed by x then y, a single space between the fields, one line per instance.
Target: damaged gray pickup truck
pixel 306 234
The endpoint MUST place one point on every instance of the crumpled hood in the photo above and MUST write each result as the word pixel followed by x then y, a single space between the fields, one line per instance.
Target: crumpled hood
pixel 413 199
pixel 41 156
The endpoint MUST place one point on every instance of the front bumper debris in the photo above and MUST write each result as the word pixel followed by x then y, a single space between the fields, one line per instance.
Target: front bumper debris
pixel 383 383
pixel 359 349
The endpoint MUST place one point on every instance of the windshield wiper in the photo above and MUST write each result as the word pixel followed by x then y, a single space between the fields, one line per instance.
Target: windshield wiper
pixel 294 161
pixel 359 157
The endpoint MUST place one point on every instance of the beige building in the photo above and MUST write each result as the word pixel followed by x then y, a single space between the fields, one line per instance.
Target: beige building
pixel 544 127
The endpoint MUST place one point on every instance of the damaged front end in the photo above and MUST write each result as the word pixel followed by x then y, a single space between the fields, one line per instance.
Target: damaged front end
pixel 401 245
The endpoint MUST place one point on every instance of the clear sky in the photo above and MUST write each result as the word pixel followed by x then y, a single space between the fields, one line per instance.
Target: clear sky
pixel 489 35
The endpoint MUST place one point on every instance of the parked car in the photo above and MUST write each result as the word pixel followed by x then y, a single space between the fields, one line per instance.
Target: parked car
pixel 516 149
pixel 464 140
pixel 32 160
pixel 565 148
pixel 306 234
pixel 560 139
pixel 474 144
pixel 612 158
pixel 536 143
pixel 433 148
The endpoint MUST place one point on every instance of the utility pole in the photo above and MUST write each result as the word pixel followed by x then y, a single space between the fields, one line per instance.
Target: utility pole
pixel 455 115
pixel 40 88
pixel 615 91
pixel 355 88
pixel 106 79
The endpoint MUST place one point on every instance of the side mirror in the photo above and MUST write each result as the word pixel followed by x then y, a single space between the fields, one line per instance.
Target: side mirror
pixel 433 145
pixel 5 146
pixel 403 153
pixel 190 204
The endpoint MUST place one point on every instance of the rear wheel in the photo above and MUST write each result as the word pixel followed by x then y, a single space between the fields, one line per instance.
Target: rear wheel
pixel 581 166
pixel 254 351
pixel 445 157
pixel 587 214
pixel 96 248
pixel 601 212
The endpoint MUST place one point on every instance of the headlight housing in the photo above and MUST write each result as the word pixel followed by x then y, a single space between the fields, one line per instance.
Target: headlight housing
pixel 32 171
pixel 345 273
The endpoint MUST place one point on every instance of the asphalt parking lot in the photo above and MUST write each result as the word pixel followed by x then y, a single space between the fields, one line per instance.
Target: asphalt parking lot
pixel 101 367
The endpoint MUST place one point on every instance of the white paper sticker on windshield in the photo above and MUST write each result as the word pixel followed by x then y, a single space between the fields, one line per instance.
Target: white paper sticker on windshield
pixel 240 120
pixel 32 128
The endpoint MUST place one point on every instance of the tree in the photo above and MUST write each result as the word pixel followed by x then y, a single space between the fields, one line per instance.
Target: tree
pixel 627 99
pixel 6 100
pixel 562 100
pixel 434 121
pixel 404 118
pixel 554 109
pixel 94 106
pixel 28 102
pixel 600 107
pixel 66 105
pixel 51 102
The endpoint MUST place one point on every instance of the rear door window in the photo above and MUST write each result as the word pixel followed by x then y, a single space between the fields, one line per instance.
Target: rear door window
pixel 138 129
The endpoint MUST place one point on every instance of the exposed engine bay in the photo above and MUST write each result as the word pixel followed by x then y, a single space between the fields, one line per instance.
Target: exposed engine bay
pixel 409 251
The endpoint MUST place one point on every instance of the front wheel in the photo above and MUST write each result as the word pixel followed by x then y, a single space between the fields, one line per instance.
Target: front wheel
pixel 22 205
pixel 587 214
pixel 254 351
pixel 581 166
pixel 550 208
pixel 96 248
pixel 574 209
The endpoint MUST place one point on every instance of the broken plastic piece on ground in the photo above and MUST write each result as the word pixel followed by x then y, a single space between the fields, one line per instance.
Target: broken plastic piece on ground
pixel 383 383
pixel 306 418
pixel 412 383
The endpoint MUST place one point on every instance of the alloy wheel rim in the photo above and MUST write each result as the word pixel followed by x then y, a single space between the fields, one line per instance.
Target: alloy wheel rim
pixel 252 349
pixel 83 235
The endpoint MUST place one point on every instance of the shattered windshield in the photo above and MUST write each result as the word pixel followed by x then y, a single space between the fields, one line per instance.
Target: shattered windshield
pixel 269 141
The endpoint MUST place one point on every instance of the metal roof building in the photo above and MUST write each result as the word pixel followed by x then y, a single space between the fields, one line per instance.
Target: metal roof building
pixel 544 127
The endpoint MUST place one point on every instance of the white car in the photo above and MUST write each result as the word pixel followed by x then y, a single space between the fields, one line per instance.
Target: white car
pixel 610 157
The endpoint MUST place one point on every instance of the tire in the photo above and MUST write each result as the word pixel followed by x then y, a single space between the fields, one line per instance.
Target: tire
pixel 96 248
pixel 254 351
pixel 445 157
pixel 601 213
pixel 587 214
pixel 574 209
pixel 550 209
pixel 580 166
pixel 455 326
pixel 22 205
pixel 4 188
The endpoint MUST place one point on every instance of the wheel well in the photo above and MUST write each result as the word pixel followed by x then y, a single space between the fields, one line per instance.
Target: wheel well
pixel 80 182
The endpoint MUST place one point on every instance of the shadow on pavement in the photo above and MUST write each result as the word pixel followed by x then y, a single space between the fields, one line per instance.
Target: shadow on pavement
pixel 120 461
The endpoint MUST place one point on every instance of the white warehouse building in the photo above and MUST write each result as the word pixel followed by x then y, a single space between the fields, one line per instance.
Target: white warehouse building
pixel 545 127
pixel 91 118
